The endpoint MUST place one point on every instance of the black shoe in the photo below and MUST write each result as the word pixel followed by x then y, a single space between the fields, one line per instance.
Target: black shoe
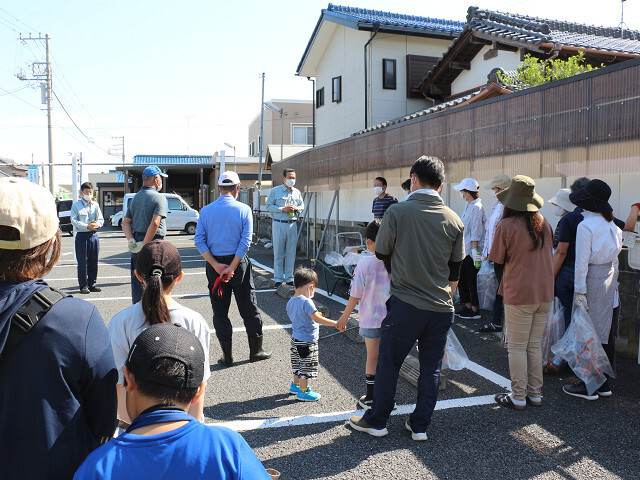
pixel 226 359
pixel 290 284
pixel 85 290
pixel 604 390
pixel 579 390
pixel 95 289
pixel 365 402
pixel 277 284
pixel 256 353
pixel 468 314
pixel 490 327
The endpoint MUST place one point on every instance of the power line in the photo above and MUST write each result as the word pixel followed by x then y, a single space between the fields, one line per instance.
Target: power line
pixel 72 120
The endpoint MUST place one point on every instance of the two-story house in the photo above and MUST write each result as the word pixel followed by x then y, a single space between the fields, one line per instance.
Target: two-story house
pixel 368 66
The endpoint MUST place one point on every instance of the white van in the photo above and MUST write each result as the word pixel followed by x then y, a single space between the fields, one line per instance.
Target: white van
pixel 180 216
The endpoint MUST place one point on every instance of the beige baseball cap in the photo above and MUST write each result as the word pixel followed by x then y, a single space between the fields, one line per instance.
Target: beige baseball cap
pixel 500 180
pixel 30 209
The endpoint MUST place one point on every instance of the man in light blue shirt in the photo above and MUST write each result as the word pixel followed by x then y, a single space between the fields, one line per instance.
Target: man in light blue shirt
pixel 285 206
pixel 87 218
pixel 223 238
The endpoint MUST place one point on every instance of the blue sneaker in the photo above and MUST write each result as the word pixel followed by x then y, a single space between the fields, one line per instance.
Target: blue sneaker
pixel 308 396
pixel 294 389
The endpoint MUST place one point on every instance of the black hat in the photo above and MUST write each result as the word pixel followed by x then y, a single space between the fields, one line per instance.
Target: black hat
pixel 165 340
pixel 159 258
pixel 594 197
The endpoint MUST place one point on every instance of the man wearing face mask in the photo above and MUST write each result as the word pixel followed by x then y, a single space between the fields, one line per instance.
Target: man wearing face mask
pixel 285 206
pixel 223 238
pixel 145 220
pixel 560 206
pixel 382 200
pixel 87 218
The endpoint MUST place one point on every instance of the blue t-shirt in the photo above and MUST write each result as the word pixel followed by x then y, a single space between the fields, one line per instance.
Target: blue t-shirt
pixel 299 310
pixel 380 205
pixel 192 451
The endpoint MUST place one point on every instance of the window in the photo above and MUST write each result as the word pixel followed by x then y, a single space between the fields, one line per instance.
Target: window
pixel 174 204
pixel 252 149
pixel 418 67
pixel 302 134
pixel 388 74
pixel 320 97
pixel 336 89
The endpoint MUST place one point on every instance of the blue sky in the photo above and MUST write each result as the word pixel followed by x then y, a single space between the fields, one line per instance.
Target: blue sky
pixel 183 77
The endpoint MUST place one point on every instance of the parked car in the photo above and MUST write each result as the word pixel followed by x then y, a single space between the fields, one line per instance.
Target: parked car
pixel 63 208
pixel 180 216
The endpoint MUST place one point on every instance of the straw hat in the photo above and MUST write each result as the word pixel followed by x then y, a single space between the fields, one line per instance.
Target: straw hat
pixel 521 195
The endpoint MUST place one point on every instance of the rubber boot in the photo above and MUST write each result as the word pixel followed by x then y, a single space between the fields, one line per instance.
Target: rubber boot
pixel 226 359
pixel 256 353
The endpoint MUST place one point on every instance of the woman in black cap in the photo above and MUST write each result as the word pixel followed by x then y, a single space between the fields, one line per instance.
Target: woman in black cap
pixel 598 243
pixel 522 256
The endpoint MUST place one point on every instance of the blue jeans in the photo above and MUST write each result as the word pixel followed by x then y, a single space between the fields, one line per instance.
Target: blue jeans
pixel 285 238
pixel 403 325
pixel 564 290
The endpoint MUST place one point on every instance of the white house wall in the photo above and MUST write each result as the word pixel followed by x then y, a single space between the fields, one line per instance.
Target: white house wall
pixel 480 68
pixel 344 56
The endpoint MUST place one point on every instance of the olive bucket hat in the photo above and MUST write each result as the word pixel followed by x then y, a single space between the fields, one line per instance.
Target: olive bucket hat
pixel 521 195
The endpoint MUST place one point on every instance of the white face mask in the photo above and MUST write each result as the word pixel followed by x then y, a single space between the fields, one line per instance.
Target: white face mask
pixel 558 211
pixel 310 292
pixel 290 182
pixel 378 190
pixel 87 197
pixel 462 195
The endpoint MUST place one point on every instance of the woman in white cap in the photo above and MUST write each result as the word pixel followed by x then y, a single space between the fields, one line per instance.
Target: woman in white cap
pixel 498 183
pixel 57 378
pixel 522 256
pixel 598 244
pixel 474 220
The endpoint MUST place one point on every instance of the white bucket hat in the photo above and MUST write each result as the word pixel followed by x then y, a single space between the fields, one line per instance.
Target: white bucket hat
pixel 561 199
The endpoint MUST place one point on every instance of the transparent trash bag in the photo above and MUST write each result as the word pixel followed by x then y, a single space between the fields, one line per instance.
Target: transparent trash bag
pixel 487 286
pixel 581 348
pixel 553 331
pixel 334 259
pixel 455 358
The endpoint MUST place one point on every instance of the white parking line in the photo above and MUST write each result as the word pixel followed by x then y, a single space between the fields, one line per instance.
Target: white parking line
pixel 127 277
pixel 244 425
pixel 100 299
pixel 115 264
pixel 335 298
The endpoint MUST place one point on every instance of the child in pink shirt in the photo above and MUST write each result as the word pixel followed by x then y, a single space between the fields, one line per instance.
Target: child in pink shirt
pixel 370 289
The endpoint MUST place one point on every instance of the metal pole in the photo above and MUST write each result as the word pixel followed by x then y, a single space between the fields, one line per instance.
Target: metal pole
pixel 257 223
pixel 49 90
pixel 281 133
pixel 324 230
pixel 304 217
pixel 337 217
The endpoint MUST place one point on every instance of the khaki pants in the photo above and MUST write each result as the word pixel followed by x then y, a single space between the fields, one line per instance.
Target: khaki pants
pixel 525 324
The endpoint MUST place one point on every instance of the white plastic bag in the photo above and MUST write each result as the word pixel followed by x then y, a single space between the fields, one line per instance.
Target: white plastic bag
pixel 553 331
pixel 455 358
pixel 581 348
pixel 487 286
pixel 334 259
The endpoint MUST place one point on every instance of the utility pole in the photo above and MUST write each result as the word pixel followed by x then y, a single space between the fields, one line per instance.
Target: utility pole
pixel 261 141
pixel 38 76
pixel 121 146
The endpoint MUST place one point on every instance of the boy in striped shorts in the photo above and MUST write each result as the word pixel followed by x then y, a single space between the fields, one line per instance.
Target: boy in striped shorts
pixel 304 338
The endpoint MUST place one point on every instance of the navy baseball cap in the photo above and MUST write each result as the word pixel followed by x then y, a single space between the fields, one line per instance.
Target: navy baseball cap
pixel 165 340
pixel 151 171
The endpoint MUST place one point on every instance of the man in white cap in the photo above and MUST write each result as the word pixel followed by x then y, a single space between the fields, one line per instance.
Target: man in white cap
pixel 285 206
pixel 474 220
pixel 145 220
pixel 223 238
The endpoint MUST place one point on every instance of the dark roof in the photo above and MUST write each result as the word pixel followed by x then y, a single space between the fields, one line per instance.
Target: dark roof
pixel 533 30
pixel 542 36
pixel 387 22
pixel 165 159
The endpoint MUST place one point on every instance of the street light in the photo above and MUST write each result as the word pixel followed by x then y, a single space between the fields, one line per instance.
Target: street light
pixel 275 108
pixel 234 154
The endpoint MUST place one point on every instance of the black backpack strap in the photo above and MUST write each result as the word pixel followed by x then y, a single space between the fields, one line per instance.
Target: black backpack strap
pixel 29 314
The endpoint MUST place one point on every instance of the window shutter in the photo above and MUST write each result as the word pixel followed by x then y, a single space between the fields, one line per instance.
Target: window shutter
pixel 418 67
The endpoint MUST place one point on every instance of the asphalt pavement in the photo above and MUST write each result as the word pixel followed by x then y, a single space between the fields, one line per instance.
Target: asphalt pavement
pixel 470 436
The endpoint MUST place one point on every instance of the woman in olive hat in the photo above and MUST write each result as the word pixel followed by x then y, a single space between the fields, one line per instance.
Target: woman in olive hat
pixel 522 255
pixel 598 244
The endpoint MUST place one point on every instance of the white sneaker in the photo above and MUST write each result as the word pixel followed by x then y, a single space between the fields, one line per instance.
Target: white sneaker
pixel 418 437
